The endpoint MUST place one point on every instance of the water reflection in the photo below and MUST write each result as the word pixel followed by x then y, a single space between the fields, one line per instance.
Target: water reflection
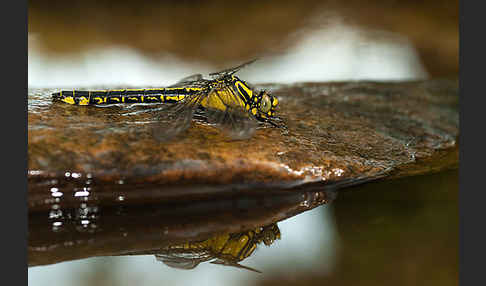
pixel 400 231
pixel 212 227
pixel 226 249
pixel 306 244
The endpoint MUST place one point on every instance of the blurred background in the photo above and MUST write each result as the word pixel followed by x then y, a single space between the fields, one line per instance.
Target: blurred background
pixel 401 232
pixel 138 43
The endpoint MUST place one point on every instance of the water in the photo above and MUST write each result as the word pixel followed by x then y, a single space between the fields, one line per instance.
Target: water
pixel 402 231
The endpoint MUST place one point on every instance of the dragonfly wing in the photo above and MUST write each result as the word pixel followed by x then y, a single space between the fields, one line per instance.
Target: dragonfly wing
pixel 188 81
pixel 234 264
pixel 231 71
pixel 183 260
pixel 173 119
pixel 234 120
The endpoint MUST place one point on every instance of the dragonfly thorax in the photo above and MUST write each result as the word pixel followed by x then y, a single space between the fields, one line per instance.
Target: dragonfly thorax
pixel 259 103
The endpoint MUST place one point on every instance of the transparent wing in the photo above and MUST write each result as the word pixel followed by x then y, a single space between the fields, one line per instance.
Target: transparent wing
pixel 190 260
pixel 189 81
pixel 231 71
pixel 174 118
pixel 234 264
pixel 186 260
pixel 228 114
pixel 197 78
pixel 234 120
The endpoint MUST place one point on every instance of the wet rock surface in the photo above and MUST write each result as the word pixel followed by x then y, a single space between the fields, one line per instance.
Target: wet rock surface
pixel 336 132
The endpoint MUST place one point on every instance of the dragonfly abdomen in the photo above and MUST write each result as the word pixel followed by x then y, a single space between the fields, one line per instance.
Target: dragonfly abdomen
pixel 163 95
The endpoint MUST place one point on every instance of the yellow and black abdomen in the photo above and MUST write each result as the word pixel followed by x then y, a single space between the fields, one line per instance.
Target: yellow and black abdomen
pixel 102 97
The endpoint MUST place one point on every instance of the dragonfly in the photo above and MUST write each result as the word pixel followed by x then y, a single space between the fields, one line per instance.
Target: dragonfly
pixel 225 249
pixel 225 100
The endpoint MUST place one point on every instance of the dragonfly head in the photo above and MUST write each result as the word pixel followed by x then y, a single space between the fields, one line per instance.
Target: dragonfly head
pixel 269 234
pixel 266 105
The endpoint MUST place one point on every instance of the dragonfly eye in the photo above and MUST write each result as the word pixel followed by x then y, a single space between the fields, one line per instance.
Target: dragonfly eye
pixel 268 240
pixel 270 235
pixel 265 104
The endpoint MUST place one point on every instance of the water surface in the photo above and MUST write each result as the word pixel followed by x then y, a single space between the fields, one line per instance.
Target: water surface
pixel 400 232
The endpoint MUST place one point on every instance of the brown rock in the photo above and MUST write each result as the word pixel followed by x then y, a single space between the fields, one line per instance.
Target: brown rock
pixel 336 132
